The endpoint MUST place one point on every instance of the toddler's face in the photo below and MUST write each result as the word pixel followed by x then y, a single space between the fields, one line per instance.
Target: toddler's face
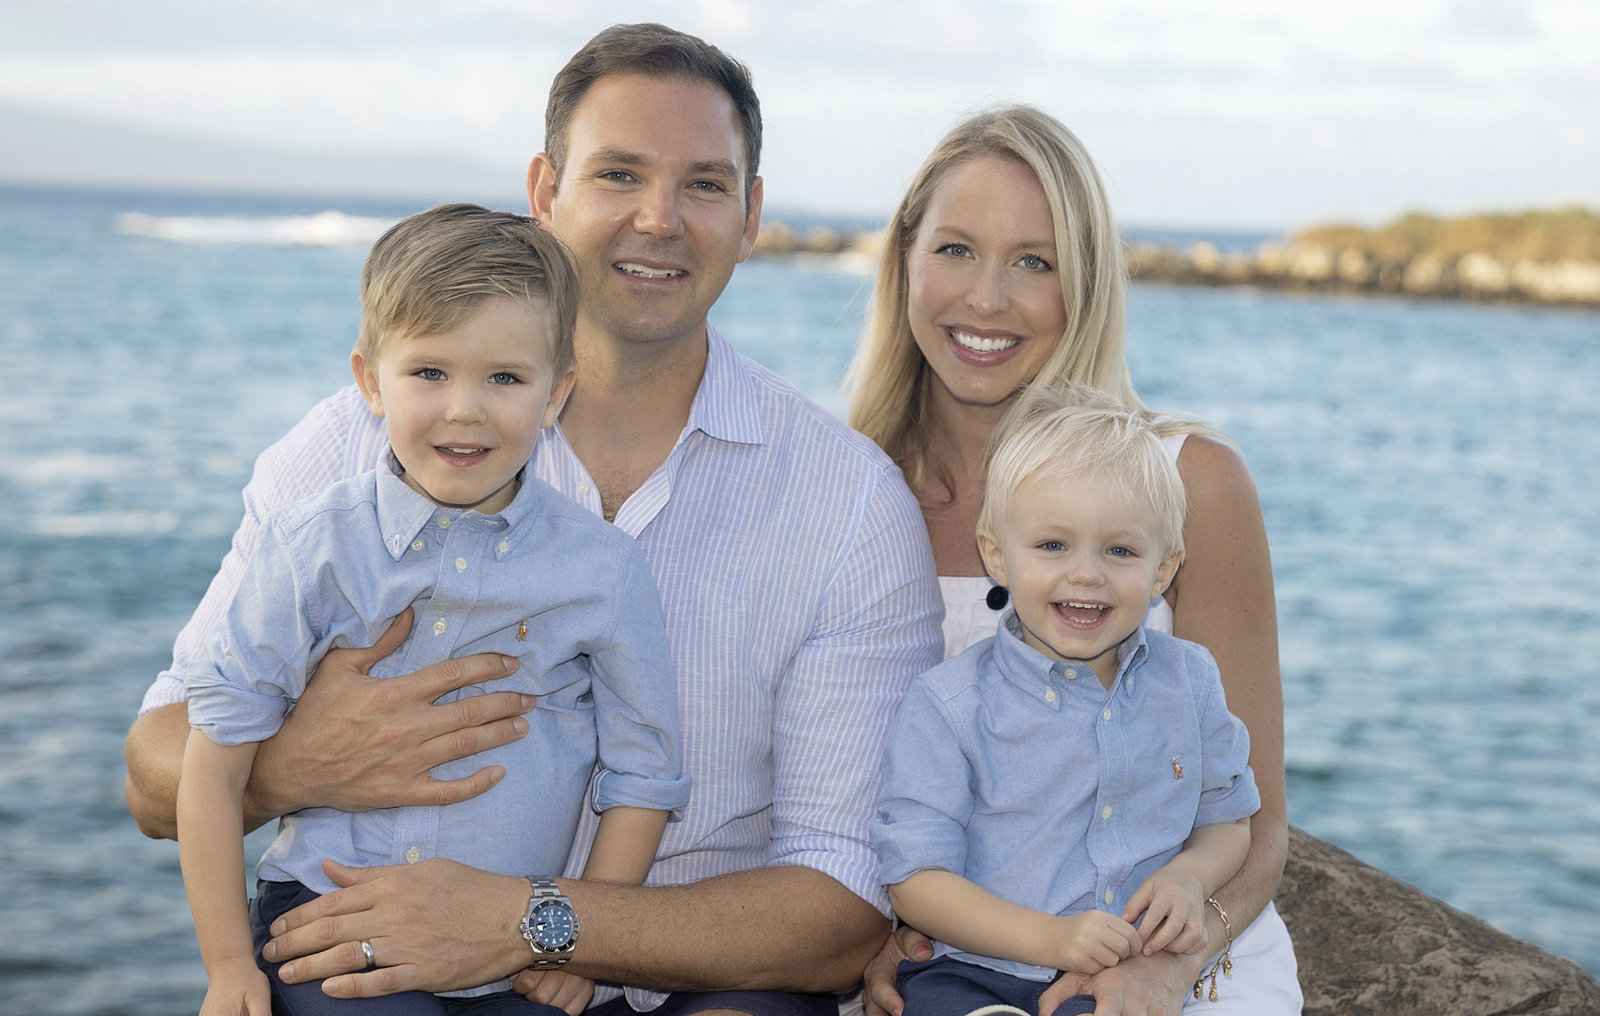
pixel 1082 561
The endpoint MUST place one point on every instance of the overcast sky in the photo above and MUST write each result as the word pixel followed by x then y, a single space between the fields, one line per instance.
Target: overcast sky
pixel 1264 113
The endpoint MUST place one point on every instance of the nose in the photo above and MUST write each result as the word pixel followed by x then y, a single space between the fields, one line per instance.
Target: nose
pixel 464 404
pixel 988 294
pixel 1084 570
pixel 658 214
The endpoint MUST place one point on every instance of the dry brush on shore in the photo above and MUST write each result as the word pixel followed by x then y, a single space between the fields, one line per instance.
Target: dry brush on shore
pixel 1546 257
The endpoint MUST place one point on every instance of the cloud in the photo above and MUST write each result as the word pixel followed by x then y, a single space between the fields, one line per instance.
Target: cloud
pixel 1249 111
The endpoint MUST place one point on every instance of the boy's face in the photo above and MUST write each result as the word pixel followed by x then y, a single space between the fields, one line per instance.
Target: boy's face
pixel 464 407
pixel 1082 562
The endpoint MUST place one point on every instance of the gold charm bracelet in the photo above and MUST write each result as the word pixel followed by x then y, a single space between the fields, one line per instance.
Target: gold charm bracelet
pixel 1224 964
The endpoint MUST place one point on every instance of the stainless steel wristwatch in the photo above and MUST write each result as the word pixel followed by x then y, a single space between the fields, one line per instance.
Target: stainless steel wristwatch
pixel 551 926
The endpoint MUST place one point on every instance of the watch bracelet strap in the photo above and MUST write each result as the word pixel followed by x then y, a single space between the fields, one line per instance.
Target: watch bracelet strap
pixel 543 889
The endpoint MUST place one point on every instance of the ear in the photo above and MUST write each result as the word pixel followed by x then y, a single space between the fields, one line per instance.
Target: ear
pixel 559 393
pixel 367 380
pixel 993 561
pixel 541 188
pixel 1165 573
pixel 752 220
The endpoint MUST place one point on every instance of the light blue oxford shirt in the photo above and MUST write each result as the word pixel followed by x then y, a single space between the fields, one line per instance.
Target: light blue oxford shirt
pixel 543 581
pixel 1029 778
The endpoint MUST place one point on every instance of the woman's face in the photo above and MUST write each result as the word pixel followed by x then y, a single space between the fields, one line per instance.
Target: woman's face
pixel 984 298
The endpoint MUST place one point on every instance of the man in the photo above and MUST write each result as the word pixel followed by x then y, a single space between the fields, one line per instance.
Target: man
pixel 794 570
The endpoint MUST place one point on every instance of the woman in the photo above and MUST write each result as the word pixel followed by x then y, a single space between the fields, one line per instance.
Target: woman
pixel 1003 266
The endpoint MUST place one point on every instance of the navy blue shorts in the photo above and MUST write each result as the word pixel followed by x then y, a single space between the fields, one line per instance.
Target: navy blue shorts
pixel 276 898
pixel 950 987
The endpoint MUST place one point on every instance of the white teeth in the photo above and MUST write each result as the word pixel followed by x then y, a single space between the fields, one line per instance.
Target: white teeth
pixel 980 345
pixel 461 451
pixel 1085 606
pixel 648 273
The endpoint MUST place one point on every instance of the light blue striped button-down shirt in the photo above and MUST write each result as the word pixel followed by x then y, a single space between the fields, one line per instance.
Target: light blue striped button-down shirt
pixel 800 601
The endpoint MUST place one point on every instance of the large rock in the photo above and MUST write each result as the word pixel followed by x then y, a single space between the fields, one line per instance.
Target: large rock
pixel 1369 943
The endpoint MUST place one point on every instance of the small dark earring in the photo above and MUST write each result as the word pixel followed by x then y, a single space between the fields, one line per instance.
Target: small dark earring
pixel 997 598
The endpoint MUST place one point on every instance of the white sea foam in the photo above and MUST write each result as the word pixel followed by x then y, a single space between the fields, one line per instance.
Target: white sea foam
pixel 107 523
pixel 324 229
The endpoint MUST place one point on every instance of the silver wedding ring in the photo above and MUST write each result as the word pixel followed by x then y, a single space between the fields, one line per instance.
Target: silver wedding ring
pixel 366 950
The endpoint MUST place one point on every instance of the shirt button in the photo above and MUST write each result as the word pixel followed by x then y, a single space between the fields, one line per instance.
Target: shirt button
pixel 1110 896
pixel 439 627
pixel 413 855
pixel 504 546
pixel 1050 696
pixel 416 544
pixel 461 564
pixel 1105 812
pixel 444 522
pixel 1106 715
pixel 1070 674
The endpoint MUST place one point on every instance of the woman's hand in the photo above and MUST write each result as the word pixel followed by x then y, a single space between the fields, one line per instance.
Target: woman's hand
pixel 1138 986
pixel 879 993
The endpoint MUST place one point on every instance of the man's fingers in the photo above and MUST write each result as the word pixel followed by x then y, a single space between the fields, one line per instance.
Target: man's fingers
pixel 443 792
pixel 436 681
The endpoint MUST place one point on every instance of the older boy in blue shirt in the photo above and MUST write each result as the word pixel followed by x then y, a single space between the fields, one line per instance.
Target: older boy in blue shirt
pixel 466 352
pixel 1047 787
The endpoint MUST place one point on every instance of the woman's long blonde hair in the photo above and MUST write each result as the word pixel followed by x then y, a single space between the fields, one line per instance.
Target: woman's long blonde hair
pixel 889 380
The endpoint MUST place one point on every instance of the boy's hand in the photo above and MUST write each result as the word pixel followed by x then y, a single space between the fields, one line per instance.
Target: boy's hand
pixel 1174 906
pixel 554 987
pixel 238 988
pixel 1091 941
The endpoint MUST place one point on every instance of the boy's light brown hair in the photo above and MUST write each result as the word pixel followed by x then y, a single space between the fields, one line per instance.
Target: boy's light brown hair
pixel 436 269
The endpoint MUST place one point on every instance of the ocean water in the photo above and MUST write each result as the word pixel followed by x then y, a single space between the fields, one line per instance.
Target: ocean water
pixel 1429 474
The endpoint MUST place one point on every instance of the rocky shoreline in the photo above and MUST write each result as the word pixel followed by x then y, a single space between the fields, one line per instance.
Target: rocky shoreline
pixel 1540 257
pixel 1368 943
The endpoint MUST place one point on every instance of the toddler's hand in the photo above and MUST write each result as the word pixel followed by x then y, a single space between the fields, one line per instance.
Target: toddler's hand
pixel 1174 906
pixel 554 987
pixel 1091 941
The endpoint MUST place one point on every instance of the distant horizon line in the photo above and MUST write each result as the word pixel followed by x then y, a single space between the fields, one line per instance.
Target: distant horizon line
pixel 303 195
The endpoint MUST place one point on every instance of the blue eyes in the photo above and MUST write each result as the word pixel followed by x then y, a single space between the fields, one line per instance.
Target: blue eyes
pixel 1027 262
pixel 435 375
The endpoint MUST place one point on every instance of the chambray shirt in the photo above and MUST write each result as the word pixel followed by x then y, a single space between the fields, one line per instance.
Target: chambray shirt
pixel 798 586
pixel 543 581
pixel 1029 778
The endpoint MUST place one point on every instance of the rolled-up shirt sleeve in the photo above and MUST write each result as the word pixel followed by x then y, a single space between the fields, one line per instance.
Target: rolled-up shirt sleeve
pixel 926 801
pixel 1228 790
pixel 253 662
pixel 636 702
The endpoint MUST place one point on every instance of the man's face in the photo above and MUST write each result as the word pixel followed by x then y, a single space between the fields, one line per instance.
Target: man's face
pixel 651 203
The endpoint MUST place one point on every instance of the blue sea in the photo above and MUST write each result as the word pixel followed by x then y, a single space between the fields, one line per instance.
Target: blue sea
pixel 1429 472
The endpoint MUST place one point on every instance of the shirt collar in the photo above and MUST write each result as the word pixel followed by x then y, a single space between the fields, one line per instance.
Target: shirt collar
pixel 725 407
pixel 1021 661
pixel 403 512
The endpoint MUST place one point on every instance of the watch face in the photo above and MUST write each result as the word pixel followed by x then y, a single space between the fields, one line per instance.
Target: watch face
pixel 554 926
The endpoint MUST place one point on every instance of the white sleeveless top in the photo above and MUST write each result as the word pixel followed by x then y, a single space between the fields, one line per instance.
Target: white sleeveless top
pixel 968 618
